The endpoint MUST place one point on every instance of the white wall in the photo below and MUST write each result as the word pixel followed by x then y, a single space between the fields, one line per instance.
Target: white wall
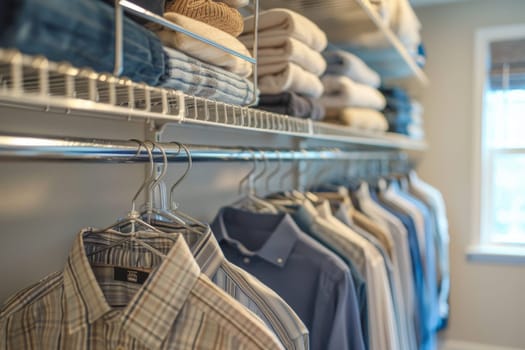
pixel 487 300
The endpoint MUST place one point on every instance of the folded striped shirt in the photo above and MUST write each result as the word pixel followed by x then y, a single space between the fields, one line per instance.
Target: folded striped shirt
pixel 193 77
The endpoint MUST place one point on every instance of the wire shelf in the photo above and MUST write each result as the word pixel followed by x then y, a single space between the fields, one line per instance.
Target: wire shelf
pixel 35 82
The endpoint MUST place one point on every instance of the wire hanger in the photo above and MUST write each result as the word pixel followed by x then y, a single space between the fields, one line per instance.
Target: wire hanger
pixel 274 172
pixel 173 218
pixel 250 201
pixel 133 221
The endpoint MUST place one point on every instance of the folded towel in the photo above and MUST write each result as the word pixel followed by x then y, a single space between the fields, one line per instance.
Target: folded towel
pixel 197 78
pixel 292 104
pixel 236 4
pixel 216 14
pixel 293 79
pixel 276 50
pixel 361 118
pixel 203 51
pixel 342 92
pixel 344 63
pixel 285 23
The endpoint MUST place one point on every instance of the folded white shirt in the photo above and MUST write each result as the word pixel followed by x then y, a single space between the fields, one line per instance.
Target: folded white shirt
pixel 203 51
pixel 280 22
pixel 279 49
pixel 342 92
pixel 364 118
pixel 291 78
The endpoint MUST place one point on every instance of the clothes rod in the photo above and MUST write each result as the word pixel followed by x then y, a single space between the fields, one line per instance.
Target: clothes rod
pixel 14 147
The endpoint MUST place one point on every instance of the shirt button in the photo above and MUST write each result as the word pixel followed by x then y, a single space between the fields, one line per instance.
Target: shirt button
pixel 246 260
pixel 279 260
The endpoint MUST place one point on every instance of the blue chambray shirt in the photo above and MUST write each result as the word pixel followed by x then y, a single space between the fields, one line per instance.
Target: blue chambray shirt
pixel 310 278
pixel 423 327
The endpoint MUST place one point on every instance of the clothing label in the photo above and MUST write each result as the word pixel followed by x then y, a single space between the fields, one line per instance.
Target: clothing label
pixel 130 275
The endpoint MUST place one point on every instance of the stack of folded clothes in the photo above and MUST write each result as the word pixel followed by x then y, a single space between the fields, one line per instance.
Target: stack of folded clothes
pixel 398 110
pixel 200 69
pixel 416 126
pixel 58 29
pixel 351 96
pixel 289 62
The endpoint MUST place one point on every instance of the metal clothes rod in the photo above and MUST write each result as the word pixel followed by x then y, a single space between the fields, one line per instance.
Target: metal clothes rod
pixel 13 147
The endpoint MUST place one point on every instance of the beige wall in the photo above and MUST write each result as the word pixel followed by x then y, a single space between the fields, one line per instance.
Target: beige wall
pixel 487 300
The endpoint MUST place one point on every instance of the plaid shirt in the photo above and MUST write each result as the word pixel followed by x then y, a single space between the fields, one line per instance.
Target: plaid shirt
pixel 239 284
pixel 177 307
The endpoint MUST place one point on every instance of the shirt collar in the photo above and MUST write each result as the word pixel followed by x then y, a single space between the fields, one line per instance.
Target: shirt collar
pixel 281 239
pixel 173 280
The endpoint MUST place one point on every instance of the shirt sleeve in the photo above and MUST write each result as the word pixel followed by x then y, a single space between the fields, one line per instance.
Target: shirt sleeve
pixel 337 323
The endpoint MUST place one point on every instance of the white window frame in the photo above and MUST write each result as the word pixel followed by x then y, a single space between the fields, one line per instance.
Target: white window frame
pixel 481 249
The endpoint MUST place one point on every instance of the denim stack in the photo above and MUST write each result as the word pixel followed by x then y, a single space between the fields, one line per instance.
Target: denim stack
pixel 398 110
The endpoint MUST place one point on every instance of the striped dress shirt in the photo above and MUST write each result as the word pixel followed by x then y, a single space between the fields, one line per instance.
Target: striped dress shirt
pixel 236 282
pixel 87 307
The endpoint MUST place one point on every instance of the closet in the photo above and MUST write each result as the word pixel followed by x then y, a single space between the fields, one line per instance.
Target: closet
pixel 74 143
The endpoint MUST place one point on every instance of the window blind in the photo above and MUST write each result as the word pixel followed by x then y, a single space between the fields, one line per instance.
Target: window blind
pixel 507 64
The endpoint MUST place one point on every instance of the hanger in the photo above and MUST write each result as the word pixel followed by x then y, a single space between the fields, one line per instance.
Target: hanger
pixel 138 227
pixel 274 172
pixel 250 201
pixel 171 218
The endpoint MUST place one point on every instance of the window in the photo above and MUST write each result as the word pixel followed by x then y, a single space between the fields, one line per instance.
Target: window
pixel 500 143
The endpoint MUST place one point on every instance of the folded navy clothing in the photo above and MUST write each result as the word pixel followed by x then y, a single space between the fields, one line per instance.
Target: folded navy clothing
pixel 193 77
pixel 82 33
pixel 396 96
pixel 292 104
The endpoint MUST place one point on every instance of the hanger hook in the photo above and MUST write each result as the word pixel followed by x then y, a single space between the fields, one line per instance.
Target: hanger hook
pixel 288 172
pixel 274 172
pixel 265 167
pixel 155 182
pixel 147 179
pixel 188 168
pixel 306 171
pixel 249 176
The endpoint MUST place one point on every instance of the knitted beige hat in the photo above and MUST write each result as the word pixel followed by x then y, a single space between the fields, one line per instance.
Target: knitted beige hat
pixel 216 14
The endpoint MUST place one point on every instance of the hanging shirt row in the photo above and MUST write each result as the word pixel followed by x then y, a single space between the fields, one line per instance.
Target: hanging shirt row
pixel 350 266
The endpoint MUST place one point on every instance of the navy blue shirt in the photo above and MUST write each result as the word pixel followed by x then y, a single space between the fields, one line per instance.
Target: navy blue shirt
pixel 311 279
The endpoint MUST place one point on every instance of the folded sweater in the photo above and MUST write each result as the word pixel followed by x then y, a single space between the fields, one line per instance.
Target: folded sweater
pixel 342 92
pixel 344 63
pixel 277 50
pixel 203 51
pixel 280 22
pixel 361 118
pixel 291 78
pixel 216 14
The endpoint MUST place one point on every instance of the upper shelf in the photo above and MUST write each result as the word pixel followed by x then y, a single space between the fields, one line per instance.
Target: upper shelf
pixel 347 22
pixel 34 82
